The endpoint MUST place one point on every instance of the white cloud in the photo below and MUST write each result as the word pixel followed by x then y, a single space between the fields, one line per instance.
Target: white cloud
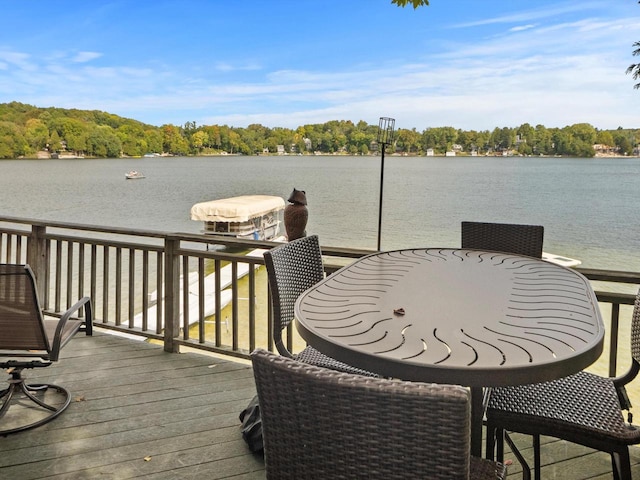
pixel 534 14
pixel 227 67
pixel 522 27
pixel 82 57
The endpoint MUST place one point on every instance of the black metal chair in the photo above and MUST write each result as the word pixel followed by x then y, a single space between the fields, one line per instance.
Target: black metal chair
pixel 583 408
pixel 319 423
pixel 504 237
pixel 29 340
pixel 293 268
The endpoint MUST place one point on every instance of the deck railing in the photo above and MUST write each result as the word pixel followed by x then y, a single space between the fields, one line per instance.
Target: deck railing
pixel 200 291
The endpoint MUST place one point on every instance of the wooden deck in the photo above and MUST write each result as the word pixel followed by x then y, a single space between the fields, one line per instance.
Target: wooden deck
pixel 138 412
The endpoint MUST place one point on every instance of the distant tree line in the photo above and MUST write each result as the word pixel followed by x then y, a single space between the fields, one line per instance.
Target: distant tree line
pixel 26 130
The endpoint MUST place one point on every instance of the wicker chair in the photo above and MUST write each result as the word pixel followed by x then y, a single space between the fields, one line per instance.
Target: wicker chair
pixel 28 340
pixel 293 268
pixel 510 238
pixel 583 408
pixel 504 237
pixel 320 424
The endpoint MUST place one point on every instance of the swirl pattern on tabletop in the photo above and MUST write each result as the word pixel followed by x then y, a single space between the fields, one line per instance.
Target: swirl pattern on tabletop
pixel 455 308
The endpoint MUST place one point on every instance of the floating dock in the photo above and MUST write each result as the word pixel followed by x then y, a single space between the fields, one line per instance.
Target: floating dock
pixel 226 295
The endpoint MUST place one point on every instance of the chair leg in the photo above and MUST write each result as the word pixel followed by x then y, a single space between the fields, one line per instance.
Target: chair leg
pixel 537 464
pixel 490 442
pixel 499 439
pixel 621 465
pixel 8 393
pixel 17 385
pixel 526 471
pixel 41 387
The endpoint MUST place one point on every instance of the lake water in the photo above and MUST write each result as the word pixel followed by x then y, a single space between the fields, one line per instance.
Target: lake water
pixel 589 207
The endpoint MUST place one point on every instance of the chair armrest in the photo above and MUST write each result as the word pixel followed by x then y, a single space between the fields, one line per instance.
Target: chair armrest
pixel 58 340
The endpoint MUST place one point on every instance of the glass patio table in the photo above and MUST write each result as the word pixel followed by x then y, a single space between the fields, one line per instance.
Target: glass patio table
pixel 467 317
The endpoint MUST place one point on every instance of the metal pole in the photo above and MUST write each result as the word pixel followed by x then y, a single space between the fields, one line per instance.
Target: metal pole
pixel 380 204
pixel 385 137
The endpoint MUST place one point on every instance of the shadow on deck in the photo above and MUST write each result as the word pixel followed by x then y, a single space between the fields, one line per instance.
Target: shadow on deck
pixel 138 412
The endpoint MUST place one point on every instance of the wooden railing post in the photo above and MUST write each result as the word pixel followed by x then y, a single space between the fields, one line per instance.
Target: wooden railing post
pixel 37 256
pixel 171 294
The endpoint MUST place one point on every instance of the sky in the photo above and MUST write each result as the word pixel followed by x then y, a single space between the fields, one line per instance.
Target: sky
pixel 468 64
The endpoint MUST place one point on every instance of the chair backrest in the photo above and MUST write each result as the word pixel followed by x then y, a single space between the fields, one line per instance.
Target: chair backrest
pixel 504 237
pixel 292 268
pixel 21 322
pixel 635 333
pixel 319 423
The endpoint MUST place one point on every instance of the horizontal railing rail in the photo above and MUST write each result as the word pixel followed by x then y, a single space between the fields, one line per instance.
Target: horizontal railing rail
pixel 200 291
pixel 611 279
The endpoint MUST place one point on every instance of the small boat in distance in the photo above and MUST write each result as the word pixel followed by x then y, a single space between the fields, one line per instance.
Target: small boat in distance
pixel 255 217
pixel 133 175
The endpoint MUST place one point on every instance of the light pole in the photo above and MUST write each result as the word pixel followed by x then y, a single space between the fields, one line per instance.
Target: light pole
pixel 385 137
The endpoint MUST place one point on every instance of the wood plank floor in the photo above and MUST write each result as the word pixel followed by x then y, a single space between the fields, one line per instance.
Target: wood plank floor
pixel 138 412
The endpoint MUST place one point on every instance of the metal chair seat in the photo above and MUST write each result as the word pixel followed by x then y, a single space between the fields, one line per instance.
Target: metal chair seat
pixel 28 340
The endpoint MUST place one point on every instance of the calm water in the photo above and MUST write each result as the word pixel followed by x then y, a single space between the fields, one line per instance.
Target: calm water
pixel 589 207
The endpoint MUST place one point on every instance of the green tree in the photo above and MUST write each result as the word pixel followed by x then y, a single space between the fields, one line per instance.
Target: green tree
pixel 133 139
pixel 74 133
pixel 153 137
pixel 605 138
pixel 440 139
pixel 12 141
pixel 173 141
pixel 408 140
pixel 634 68
pixel 102 141
pixel 502 138
pixel 213 132
pixel 36 134
pixel 623 144
pixel 54 142
pixel 415 3
pixel 584 132
pixel 199 139
pixel 543 141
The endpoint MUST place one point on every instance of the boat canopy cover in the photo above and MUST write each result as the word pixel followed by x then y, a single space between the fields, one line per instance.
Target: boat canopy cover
pixel 236 209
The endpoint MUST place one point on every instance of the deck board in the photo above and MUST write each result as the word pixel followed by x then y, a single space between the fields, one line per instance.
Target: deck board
pixel 139 412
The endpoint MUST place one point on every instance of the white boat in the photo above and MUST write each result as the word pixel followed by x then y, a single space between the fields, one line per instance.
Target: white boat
pixel 249 217
pixel 133 175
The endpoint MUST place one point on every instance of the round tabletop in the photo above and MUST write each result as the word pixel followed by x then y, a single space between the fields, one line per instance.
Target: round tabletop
pixel 468 317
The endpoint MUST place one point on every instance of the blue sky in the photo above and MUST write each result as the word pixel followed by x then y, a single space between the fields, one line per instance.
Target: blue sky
pixel 470 64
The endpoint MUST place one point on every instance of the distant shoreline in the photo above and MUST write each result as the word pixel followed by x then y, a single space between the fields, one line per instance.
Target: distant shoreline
pixel 70 156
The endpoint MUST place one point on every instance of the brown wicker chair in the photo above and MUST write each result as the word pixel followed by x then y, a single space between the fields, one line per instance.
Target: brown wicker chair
pixel 510 238
pixel 323 424
pixel 583 408
pixel 293 268
pixel 28 340
pixel 504 237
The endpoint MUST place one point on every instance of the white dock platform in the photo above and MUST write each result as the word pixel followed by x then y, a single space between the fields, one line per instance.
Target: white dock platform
pixel 226 279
